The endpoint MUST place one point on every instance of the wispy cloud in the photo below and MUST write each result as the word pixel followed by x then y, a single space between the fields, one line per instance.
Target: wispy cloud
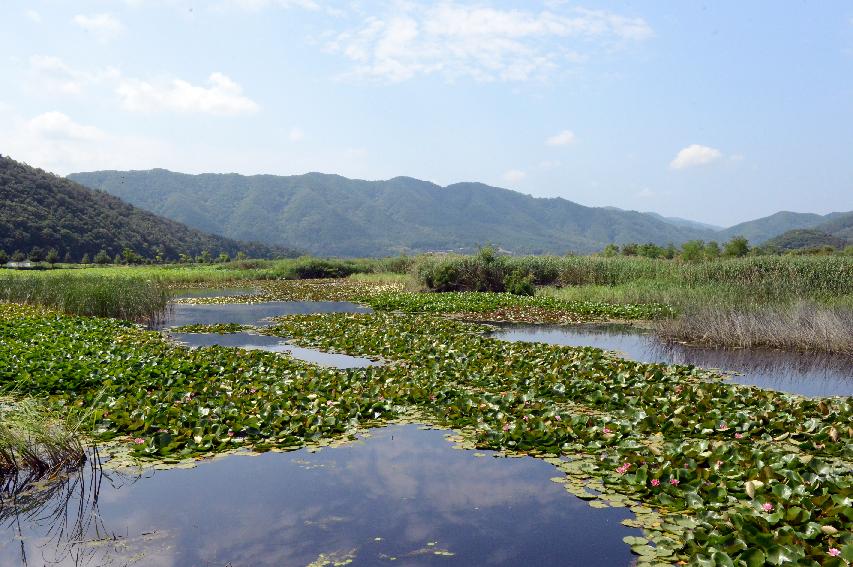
pixel 479 42
pixel 514 175
pixel 222 96
pixel 105 27
pixel 49 75
pixel 694 155
pixel 563 138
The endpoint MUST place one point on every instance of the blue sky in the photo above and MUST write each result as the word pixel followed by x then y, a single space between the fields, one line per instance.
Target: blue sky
pixel 715 111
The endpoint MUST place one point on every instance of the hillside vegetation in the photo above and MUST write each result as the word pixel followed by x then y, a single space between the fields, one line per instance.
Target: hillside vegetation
pixel 332 215
pixel 43 211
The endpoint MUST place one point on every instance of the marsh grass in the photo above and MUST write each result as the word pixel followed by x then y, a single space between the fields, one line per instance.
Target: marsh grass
pixel 35 441
pixel 802 326
pixel 129 298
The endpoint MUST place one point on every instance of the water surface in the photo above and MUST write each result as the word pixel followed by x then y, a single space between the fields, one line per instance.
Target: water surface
pixel 403 493
pixel 796 373
pixel 251 341
pixel 251 313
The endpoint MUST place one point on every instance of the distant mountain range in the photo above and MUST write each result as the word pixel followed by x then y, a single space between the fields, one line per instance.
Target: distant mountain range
pixel 333 215
pixel 836 230
pixel 38 209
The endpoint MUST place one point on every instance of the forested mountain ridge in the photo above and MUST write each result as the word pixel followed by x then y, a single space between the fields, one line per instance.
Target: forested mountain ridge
pixel 41 210
pixel 333 215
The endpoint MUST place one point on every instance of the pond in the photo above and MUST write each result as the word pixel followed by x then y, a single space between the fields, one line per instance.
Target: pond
pixel 250 313
pixel 796 373
pixel 251 341
pixel 401 494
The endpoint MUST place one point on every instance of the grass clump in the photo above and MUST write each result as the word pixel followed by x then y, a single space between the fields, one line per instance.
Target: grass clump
pixel 129 298
pixel 35 440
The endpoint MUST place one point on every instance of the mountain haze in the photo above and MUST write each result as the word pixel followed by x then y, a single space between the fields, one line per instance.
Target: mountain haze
pixel 333 215
pixel 38 209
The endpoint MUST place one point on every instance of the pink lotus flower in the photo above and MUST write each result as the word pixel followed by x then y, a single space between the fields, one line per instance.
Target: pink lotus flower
pixel 506 427
pixel 624 468
pixel 558 418
pixel 834 552
pixel 230 433
pixel 606 430
pixel 723 426
pixel 767 507
pixel 139 440
pixel 673 481
pixel 738 435
pixel 655 482
pixel 526 417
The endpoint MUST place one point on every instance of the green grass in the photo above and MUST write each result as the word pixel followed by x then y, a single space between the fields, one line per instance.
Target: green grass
pixel 35 441
pixel 132 298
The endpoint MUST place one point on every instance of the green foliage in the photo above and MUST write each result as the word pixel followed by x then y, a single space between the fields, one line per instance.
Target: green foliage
pixel 134 299
pixel 330 215
pixel 102 257
pixel 610 251
pixel 36 254
pixel 40 211
pixel 693 251
pixel 737 247
pixel 3 257
pixel 85 259
pixel 52 256
pixel 712 250
pixel 519 283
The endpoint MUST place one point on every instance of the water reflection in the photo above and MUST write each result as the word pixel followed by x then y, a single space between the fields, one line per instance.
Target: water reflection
pixel 250 341
pixel 203 293
pixel 797 373
pixel 251 313
pixel 403 493
pixel 56 521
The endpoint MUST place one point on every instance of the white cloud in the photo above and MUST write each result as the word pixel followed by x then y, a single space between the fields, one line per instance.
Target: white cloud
pixel 514 175
pixel 563 138
pixel 105 27
pixel 58 126
pixel 57 143
pixel 694 155
pixel 51 75
pixel 33 15
pixel 296 134
pixel 222 97
pixel 255 5
pixel 479 42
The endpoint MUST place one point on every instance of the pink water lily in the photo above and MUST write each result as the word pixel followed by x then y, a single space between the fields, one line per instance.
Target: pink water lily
pixel 230 433
pixel 673 481
pixel 767 507
pixel 655 482
pixel 834 552
pixel 606 430
pixel 723 426
pixel 139 440
pixel 624 468
pixel 738 435
pixel 558 418
pixel 506 427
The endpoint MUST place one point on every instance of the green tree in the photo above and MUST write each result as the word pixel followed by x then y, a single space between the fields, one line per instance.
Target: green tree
pixel 130 257
pixel 629 249
pixel 117 259
pixel 223 257
pixel 736 247
pixel 52 256
pixel 68 259
pixel 18 256
pixel 650 250
pixel 692 250
pixel 36 254
pixel 3 257
pixel 712 250
pixel 204 257
pixel 610 251
pixel 241 256
pixel 102 257
pixel 670 251
pixel 85 259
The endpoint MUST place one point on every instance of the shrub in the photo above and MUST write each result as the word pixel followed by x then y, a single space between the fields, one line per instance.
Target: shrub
pixel 519 283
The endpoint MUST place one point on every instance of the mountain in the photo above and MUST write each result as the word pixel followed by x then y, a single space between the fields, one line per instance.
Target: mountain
pixel 38 209
pixel 759 230
pixel 839 225
pixel 332 215
pixel 804 238
pixel 678 221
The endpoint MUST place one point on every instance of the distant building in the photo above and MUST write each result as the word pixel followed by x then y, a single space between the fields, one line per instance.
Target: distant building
pixel 19 265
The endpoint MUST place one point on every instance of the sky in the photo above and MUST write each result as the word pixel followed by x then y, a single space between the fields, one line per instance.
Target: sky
pixel 717 111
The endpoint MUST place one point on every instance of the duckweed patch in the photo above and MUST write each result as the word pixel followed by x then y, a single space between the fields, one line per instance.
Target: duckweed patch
pixel 718 474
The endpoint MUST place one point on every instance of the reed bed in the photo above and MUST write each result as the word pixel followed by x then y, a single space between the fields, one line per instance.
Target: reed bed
pixel 130 298
pixel 35 441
